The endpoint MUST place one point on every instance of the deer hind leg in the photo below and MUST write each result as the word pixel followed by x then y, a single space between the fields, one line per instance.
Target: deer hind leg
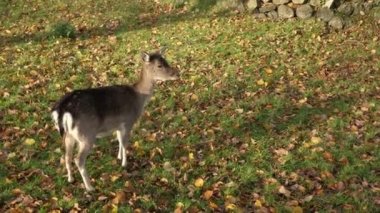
pixel 85 146
pixel 69 146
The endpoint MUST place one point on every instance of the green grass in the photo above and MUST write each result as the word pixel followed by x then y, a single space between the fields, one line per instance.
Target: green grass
pixel 245 139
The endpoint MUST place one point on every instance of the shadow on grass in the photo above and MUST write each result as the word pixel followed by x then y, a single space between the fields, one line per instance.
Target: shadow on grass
pixel 144 20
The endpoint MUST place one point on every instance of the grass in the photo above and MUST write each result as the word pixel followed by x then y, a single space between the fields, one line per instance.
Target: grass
pixel 310 125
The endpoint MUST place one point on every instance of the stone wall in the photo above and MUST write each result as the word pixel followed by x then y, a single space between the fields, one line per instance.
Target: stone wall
pixel 334 12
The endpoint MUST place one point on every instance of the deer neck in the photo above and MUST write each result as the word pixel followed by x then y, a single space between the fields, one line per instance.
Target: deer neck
pixel 144 86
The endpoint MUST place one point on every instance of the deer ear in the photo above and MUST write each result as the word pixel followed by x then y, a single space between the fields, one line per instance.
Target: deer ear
pixel 162 50
pixel 145 56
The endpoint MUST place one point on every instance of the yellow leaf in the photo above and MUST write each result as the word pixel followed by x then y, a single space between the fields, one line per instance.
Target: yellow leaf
pixel 207 194
pixel 231 206
pixel 302 101
pixel 258 204
pixel 199 183
pixel 191 156
pixel 315 140
pixel 29 141
pixel 115 177
pixel 8 181
pixel 194 97
pixel 136 145
pixel 260 82
pixel 297 209
pixel 212 205
pixel 11 155
pixel 268 70
pixel 114 209
pixel 179 205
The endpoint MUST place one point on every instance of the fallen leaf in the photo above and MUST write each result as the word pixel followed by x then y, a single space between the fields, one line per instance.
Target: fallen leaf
pixel 102 197
pixel 120 198
pixel 11 155
pixel 297 209
pixel 315 140
pixel 260 82
pixel 207 194
pixel 212 205
pixel 29 141
pixel 199 183
pixel 194 97
pixel 282 190
pixel 308 198
pixel 17 191
pixel 230 206
pixel 258 204
pixel 191 156
pixel 281 152
pixel 328 156
pixel 178 210
pixel 115 177
pixel 268 70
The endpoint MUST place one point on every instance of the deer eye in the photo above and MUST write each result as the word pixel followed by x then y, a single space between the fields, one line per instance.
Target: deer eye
pixel 159 66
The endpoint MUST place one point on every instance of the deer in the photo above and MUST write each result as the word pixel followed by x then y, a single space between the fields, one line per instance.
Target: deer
pixel 83 115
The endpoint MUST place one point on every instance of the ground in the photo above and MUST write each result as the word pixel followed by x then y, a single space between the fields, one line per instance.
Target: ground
pixel 280 116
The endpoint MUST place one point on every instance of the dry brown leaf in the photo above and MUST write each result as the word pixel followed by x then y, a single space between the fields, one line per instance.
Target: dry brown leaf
pixel 102 197
pixel 281 152
pixel 120 198
pixel 328 156
pixel 282 190
pixel 207 194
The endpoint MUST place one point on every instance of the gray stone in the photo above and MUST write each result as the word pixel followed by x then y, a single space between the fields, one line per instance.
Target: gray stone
pixel 328 3
pixel 315 3
pixel 298 1
pixel 346 8
pixel 279 2
pixel 336 22
pixel 259 16
pixel 251 5
pixel 368 5
pixel 285 11
pixel 358 6
pixel 267 7
pixel 325 14
pixel 273 14
pixel 304 11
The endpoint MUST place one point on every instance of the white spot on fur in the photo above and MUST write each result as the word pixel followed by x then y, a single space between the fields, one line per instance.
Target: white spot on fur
pixel 67 121
pixel 54 115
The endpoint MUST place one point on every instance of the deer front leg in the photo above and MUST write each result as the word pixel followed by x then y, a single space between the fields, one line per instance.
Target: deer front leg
pixel 123 137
